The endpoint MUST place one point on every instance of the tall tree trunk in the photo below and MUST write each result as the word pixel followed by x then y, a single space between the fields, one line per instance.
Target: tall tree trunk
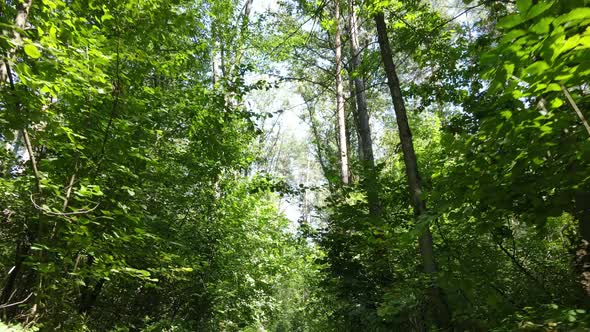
pixel 355 114
pixel 317 142
pixel 243 33
pixel 215 56
pixel 89 292
pixel 364 128
pixel 23 245
pixel 344 172
pixel 582 257
pixel 438 306
pixel 7 296
pixel 20 22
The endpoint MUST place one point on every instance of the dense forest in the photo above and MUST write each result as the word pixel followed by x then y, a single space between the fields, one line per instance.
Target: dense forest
pixel 294 165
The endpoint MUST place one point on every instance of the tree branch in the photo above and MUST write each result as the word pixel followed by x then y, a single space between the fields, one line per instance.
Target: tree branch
pixel 575 107
pixel 16 303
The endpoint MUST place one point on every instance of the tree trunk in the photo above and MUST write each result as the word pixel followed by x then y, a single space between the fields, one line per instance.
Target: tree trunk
pixel 364 129
pixel 582 257
pixel 23 245
pixel 9 290
pixel 245 20
pixel 215 57
pixel 438 306
pixel 89 292
pixel 344 172
pixel 20 22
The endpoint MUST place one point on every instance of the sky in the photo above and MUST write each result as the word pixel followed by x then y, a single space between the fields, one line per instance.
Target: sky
pixel 259 6
pixel 283 98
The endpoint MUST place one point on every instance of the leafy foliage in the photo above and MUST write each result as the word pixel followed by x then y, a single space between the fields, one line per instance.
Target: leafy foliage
pixel 142 190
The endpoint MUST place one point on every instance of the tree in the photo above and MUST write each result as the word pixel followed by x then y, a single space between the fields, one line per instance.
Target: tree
pixel 438 303
pixel 364 128
pixel 340 111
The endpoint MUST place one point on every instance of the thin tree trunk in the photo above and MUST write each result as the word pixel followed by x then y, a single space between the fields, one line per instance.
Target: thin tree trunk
pixel 582 256
pixel 344 172
pixel 438 305
pixel 245 19
pixel 215 58
pixel 20 22
pixel 22 248
pixel 364 128
pixel 89 292
pixel 317 141
pixel 9 289
pixel 355 114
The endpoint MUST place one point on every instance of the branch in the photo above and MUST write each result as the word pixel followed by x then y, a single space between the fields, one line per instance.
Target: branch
pixel 575 107
pixel 16 303
pixel 29 146
pixel 456 16
pixel 68 192
pixel 299 79
pixel 115 103
pixel 292 34
pixel 61 214
pixel 522 268
pixel 24 131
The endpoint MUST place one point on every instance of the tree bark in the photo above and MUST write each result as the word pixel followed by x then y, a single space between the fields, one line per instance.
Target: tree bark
pixel 9 288
pixel 23 246
pixel 438 305
pixel 343 146
pixel 215 57
pixel 364 128
pixel 582 255
pixel 89 292
pixel 245 19
pixel 20 22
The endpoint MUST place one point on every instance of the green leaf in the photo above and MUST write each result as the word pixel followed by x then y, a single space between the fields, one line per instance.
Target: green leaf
pixel 523 6
pixel 130 191
pixel 557 102
pixel 512 35
pixel 552 87
pixel 542 27
pixel 32 51
pixel 506 114
pixel 536 68
pixel 106 17
pixel 45 89
pixel 509 67
pixel 538 9
pixel 510 21
pixel 576 14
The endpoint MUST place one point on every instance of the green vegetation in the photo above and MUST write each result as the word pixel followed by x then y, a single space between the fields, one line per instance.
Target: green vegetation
pixel 296 165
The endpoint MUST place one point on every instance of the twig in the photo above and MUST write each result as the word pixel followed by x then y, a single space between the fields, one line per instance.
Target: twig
pixel 61 214
pixel 456 16
pixel 16 303
pixel 293 33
